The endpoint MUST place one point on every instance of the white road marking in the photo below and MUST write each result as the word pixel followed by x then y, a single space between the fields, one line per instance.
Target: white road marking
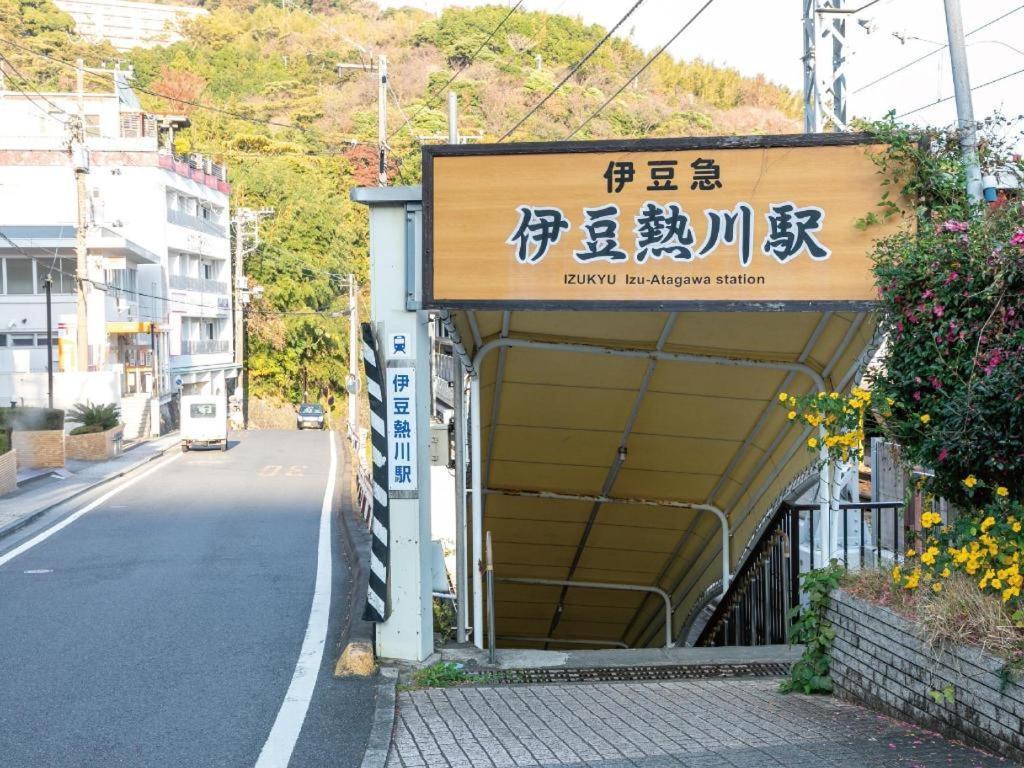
pixel 34 571
pixel 43 536
pixel 277 751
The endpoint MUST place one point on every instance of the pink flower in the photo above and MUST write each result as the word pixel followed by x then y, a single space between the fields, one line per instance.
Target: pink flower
pixel 935 382
pixel 952 225
pixel 1018 237
pixel 928 294
pixel 952 276
pixel 917 395
pixel 943 453
pixel 938 310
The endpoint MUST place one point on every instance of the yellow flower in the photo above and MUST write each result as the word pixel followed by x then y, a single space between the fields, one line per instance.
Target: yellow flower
pixel 897 574
pixel 945 572
pixel 911 553
pixel 1002 491
pixel 821 395
pixel 928 556
pixel 783 397
pixel 792 402
pixel 1016 527
pixel 890 401
pixel 987 523
pixel 970 481
pixel 791 415
pixel 997 583
pixel 913 579
pixel 928 519
pixel 925 418
pixel 812 442
pixel 937 586
pixel 1010 592
pixel 834 395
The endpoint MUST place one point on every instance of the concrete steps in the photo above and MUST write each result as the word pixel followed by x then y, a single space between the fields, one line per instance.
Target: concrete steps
pixel 135 411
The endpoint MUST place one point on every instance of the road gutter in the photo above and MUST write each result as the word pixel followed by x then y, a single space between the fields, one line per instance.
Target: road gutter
pixel 379 744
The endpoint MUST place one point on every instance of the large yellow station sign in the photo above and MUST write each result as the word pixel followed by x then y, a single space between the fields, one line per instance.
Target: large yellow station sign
pixel 736 222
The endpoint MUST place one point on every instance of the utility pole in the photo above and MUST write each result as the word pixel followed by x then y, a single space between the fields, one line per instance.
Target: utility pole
pixel 243 218
pixel 962 91
pixel 453 117
pixel 817 109
pixel 382 119
pixel 80 163
pixel 353 359
pixel 381 68
pixel 810 68
pixel 49 342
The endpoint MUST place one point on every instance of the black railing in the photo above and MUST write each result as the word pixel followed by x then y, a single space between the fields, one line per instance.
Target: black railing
pixel 755 609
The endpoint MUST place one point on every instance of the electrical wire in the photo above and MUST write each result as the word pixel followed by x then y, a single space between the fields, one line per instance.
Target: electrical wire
pixel 576 68
pixel 428 102
pixel 198 105
pixel 975 88
pixel 28 85
pixel 909 64
pixel 640 71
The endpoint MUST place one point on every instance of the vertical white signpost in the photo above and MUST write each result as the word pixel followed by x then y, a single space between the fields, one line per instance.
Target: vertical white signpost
pixel 404 346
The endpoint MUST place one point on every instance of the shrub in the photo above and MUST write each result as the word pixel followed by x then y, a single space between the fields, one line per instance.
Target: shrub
pixel 88 429
pixel 104 417
pixel 5 441
pixel 31 419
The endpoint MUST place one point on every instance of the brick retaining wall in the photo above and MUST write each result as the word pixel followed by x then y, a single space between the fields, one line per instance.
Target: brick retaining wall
pixel 39 449
pixel 95 446
pixel 878 660
pixel 8 472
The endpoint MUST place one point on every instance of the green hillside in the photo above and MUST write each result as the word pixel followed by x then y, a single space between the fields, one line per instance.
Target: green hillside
pixel 300 134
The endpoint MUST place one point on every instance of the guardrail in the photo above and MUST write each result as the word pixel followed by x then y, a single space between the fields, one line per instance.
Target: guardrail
pixel 183 219
pixel 201 284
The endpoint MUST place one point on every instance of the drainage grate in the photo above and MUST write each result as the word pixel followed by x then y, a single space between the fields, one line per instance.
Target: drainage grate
pixel 634 674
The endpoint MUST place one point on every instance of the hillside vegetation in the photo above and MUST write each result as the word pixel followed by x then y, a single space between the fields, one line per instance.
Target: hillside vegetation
pixel 302 134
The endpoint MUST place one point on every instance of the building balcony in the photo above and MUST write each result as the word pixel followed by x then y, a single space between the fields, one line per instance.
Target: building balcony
pixel 197 168
pixel 205 346
pixel 188 283
pixel 183 219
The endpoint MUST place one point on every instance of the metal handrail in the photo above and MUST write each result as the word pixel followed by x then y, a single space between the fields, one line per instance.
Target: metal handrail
pixel 490 579
pixel 563 641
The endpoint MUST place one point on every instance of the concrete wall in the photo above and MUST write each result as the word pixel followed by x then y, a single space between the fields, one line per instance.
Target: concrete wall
pixel 879 661
pixel 44 448
pixel 68 388
pixel 8 472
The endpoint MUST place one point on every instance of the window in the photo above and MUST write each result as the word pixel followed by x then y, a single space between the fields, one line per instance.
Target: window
pixel 92 125
pixel 19 276
pixel 3 339
pixel 202 410
pixel 62 271
pixel 23 339
pixel 209 331
pixel 208 271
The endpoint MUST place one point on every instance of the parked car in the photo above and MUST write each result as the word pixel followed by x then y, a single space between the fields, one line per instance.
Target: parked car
pixel 310 415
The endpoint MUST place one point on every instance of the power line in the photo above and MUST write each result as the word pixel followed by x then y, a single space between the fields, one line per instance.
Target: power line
pixel 433 95
pixel 909 64
pixel 576 68
pixel 37 93
pixel 640 71
pixel 175 99
pixel 975 88
pixel 100 284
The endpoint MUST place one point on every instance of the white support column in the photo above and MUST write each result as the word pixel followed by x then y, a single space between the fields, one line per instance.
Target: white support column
pixel 478 511
pixel 408 632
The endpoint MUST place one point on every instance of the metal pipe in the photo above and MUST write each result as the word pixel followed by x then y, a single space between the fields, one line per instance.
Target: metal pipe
pixel 478 512
pixel 601 585
pixel 456 337
pixel 648 354
pixel 491 650
pixel 461 572
pixel 638 502
pixel 962 92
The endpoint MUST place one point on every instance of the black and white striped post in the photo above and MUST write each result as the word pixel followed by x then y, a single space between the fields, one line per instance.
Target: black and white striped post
pixel 377 604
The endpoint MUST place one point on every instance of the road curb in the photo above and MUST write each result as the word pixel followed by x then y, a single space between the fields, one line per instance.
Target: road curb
pixel 355 630
pixel 379 744
pixel 17 525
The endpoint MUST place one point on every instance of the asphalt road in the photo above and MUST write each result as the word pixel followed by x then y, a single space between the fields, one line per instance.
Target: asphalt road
pixel 163 627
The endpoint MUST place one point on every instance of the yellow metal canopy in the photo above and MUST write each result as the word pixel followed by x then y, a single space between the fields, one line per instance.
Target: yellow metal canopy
pixel 672 408
pixel 124 326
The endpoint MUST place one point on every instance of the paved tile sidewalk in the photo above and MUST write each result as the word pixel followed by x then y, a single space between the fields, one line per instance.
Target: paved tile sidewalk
pixel 42 492
pixel 738 723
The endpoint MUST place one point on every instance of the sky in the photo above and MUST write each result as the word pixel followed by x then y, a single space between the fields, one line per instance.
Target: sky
pixel 766 37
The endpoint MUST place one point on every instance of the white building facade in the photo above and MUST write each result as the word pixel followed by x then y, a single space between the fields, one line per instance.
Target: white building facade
pixel 158 293
pixel 126 24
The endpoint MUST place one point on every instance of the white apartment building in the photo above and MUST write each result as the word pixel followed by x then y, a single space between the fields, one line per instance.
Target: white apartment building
pixel 159 299
pixel 128 24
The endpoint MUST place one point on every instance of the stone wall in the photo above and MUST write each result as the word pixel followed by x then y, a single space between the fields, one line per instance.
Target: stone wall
pixel 39 449
pixel 95 446
pixel 8 472
pixel 879 661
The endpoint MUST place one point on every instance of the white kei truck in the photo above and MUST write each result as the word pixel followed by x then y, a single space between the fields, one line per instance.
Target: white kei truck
pixel 204 421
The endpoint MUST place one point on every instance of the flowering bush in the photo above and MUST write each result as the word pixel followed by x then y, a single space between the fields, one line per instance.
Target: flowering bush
pixel 951 307
pixel 987 547
pixel 839 417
